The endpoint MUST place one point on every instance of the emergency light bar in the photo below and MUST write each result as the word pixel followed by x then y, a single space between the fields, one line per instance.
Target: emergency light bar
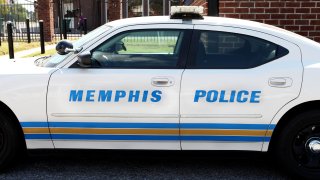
pixel 186 12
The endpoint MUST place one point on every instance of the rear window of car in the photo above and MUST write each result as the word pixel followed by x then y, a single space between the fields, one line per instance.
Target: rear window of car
pixel 224 50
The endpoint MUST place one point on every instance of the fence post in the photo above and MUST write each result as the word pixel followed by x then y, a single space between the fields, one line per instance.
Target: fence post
pixel 85 26
pixel 42 37
pixel 10 40
pixel 65 29
pixel 28 30
pixel 145 7
pixel 1 24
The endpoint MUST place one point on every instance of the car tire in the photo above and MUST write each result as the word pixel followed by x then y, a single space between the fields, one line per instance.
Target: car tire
pixel 293 150
pixel 10 144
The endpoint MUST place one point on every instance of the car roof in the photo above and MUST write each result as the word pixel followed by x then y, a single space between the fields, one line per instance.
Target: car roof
pixel 218 21
pixel 223 21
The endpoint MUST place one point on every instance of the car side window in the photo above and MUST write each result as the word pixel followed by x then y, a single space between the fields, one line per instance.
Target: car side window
pixel 140 49
pixel 223 50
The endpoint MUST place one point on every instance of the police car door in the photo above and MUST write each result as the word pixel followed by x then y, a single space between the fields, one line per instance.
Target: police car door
pixel 234 84
pixel 128 98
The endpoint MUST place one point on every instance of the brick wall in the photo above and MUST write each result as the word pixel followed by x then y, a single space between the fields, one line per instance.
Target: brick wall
pixel 114 9
pixel 299 16
pixel 45 13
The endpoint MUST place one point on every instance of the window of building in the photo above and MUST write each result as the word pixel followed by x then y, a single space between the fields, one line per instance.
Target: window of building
pixel 222 50
pixel 135 8
pixel 156 7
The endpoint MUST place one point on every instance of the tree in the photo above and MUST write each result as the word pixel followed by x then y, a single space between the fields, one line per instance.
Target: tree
pixel 4 9
pixel 13 12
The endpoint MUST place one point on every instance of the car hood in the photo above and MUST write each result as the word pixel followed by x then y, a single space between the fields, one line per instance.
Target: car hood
pixel 21 66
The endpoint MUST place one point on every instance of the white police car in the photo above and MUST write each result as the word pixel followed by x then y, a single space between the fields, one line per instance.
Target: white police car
pixel 179 83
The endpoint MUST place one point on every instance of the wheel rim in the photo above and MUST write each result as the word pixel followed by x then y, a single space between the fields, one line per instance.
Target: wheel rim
pixel 306 147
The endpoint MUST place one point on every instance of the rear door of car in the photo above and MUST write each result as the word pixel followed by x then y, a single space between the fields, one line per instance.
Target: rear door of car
pixel 235 82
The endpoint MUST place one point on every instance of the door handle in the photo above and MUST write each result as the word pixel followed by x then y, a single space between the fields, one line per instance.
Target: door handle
pixel 280 82
pixel 162 81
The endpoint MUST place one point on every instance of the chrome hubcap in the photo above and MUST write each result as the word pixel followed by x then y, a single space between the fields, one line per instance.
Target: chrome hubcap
pixel 314 145
pixel 306 147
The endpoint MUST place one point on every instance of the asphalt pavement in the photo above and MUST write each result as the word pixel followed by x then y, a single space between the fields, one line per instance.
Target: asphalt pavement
pixel 93 164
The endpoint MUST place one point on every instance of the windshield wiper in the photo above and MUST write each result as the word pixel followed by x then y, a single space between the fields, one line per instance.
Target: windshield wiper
pixel 40 60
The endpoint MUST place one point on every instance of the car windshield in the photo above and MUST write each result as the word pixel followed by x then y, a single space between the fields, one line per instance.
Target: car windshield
pixel 54 60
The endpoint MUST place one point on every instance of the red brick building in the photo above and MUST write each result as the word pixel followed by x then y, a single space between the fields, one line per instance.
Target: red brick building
pixel 300 16
pixel 45 13
pixel 98 12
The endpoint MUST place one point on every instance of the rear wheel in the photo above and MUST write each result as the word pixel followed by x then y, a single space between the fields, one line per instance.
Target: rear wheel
pixel 298 146
pixel 10 144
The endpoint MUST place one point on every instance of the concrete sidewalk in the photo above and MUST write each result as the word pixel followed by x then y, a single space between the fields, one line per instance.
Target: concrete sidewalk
pixel 21 54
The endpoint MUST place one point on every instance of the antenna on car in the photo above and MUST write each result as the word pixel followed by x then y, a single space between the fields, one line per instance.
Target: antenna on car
pixel 186 12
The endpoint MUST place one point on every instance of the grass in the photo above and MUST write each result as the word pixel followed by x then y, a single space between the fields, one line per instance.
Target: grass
pixel 149 47
pixel 48 53
pixel 19 46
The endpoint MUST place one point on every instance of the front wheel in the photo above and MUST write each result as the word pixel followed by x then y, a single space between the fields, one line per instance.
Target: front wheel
pixel 298 146
pixel 9 142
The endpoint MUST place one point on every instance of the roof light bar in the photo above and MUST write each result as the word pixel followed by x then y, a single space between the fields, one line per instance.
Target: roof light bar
pixel 186 12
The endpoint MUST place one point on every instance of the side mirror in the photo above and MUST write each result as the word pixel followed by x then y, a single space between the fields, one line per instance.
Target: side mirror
pixel 64 47
pixel 85 60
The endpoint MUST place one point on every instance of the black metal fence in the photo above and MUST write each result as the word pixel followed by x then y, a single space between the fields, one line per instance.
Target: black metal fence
pixel 73 18
pixel 23 18
pixel 77 16
pixel 67 15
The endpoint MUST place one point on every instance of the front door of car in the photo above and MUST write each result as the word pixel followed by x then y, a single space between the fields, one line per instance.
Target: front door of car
pixel 234 84
pixel 128 98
